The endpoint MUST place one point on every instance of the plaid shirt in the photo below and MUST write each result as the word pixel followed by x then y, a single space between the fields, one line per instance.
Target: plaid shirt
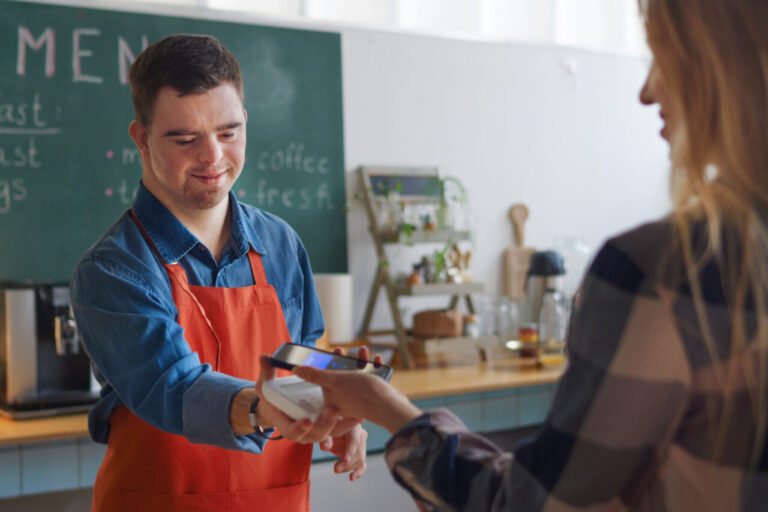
pixel 631 424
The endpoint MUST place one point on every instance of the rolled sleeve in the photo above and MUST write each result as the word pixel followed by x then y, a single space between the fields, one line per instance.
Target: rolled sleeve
pixel 207 412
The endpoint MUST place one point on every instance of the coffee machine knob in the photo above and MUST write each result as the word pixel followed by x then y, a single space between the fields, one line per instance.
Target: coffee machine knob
pixel 65 334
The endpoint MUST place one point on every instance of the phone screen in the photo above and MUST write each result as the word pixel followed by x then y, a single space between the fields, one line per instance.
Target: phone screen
pixel 289 355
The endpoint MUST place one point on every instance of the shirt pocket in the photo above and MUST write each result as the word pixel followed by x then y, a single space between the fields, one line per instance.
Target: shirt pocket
pixel 293 312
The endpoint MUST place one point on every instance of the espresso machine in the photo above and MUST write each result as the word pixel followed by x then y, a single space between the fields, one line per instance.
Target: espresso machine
pixel 43 368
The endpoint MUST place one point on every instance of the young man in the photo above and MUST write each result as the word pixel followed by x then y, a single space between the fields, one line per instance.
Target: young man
pixel 178 299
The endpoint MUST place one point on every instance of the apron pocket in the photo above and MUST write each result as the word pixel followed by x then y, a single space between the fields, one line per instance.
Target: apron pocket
pixel 289 498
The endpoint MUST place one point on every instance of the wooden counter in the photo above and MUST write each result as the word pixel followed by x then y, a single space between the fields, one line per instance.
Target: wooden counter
pixel 417 384
pixel 473 378
pixel 55 454
pixel 43 429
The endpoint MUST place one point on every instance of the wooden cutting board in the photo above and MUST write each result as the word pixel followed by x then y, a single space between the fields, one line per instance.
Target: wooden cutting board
pixel 517 259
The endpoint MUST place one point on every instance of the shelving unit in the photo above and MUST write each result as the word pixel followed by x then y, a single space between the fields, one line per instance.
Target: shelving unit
pixel 415 185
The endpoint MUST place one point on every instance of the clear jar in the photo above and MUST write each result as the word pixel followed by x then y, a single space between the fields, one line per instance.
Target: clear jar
pixel 507 320
pixel 472 326
pixel 485 310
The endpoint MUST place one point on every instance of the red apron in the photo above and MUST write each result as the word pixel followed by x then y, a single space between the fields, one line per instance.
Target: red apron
pixel 147 469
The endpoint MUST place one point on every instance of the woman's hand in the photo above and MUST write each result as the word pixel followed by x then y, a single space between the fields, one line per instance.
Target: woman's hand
pixel 299 431
pixel 362 396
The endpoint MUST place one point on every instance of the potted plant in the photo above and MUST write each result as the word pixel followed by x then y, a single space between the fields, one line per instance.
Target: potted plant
pixel 452 195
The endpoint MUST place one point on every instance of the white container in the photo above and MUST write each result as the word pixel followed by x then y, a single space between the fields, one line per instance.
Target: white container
pixel 334 292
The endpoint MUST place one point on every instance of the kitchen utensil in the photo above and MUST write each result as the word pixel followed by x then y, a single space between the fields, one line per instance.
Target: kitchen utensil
pixel 517 259
pixel 518 214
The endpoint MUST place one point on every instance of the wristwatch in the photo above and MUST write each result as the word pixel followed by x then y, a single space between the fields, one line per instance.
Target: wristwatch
pixel 253 417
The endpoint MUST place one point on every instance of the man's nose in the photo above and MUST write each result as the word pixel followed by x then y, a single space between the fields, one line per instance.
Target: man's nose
pixel 210 150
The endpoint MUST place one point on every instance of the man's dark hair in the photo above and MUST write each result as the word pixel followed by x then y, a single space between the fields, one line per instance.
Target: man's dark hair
pixel 188 63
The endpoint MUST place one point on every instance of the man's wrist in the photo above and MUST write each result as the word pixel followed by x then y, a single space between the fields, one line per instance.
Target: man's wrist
pixel 239 410
pixel 253 413
pixel 253 416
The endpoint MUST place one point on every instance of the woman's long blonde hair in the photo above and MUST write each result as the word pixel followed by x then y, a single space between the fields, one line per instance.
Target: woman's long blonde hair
pixel 712 56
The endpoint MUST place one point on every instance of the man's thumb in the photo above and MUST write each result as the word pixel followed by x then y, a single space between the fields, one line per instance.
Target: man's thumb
pixel 268 371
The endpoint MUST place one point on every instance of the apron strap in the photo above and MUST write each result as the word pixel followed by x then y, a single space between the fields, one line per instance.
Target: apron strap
pixel 257 268
pixel 176 273
pixel 146 235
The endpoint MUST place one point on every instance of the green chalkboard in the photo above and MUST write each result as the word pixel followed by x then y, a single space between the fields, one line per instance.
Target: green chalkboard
pixel 68 168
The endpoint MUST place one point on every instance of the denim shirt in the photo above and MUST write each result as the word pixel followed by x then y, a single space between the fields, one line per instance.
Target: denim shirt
pixel 121 297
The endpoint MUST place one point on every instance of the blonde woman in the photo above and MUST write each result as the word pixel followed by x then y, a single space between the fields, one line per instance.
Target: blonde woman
pixel 663 405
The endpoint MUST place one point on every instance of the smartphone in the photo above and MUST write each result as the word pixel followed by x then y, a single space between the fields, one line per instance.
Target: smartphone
pixel 289 355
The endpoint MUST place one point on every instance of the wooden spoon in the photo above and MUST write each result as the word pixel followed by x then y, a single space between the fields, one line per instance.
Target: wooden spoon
pixel 518 214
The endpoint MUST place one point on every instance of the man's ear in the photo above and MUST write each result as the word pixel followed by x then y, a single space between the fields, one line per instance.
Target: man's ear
pixel 139 135
pixel 245 114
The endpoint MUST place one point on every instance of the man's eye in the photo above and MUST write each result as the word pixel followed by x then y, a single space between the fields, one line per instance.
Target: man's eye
pixel 227 135
pixel 184 142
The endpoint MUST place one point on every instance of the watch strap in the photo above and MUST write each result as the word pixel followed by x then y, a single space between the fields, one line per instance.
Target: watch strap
pixel 254 419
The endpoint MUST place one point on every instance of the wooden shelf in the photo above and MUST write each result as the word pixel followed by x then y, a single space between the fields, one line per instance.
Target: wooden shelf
pixel 424 290
pixel 423 236
pixel 445 345
pixel 412 183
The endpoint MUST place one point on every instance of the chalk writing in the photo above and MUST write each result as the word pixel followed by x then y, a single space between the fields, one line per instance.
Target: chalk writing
pixel 126 193
pixel 131 156
pixel 18 113
pixel 12 190
pixel 301 198
pixel 291 158
pixel 26 119
pixel 78 53
pixel 27 39
pixel 20 155
pixel 126 56
pixel 81 51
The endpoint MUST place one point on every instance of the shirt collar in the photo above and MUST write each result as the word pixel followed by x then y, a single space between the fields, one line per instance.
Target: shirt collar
pixel 243 233
pixel 173 240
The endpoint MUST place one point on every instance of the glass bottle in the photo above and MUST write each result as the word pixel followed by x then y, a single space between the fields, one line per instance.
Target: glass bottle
pixel 577 256
pixel 553 323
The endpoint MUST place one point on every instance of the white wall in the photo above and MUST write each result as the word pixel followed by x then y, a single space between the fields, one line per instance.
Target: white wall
pixel 558 129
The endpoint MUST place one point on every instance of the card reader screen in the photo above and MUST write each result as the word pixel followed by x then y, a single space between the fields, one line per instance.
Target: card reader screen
pixel 295 387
